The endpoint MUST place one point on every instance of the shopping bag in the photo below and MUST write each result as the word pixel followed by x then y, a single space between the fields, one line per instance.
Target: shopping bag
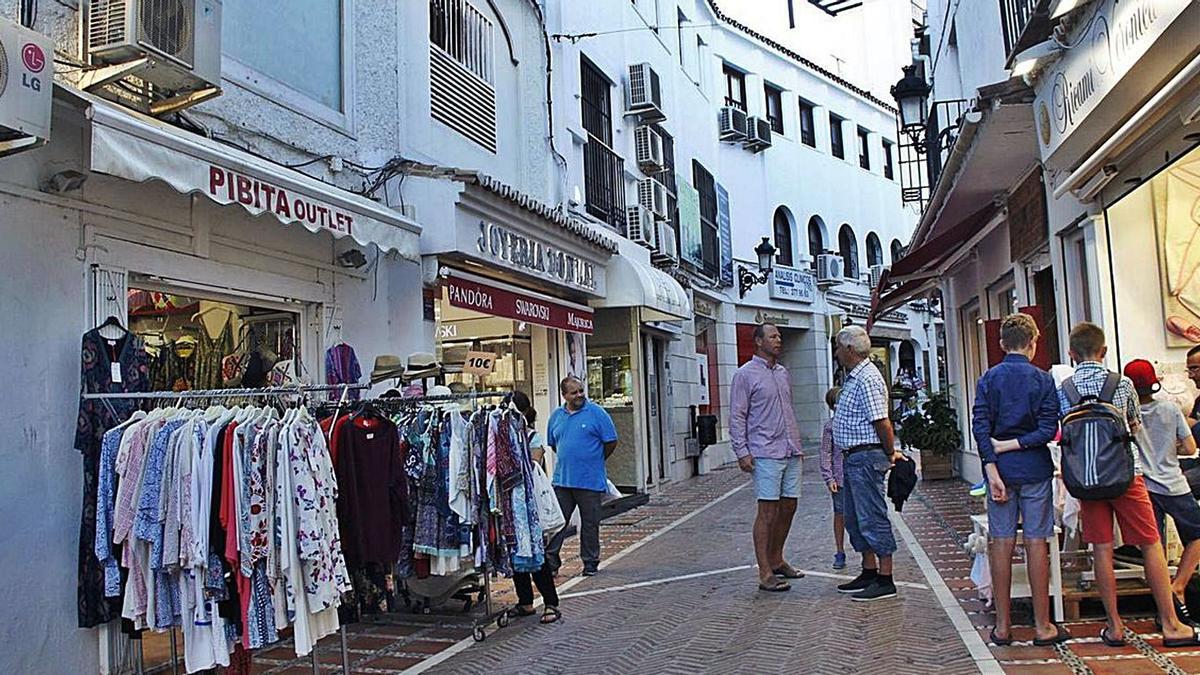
pixel 610 493
pixel 550 514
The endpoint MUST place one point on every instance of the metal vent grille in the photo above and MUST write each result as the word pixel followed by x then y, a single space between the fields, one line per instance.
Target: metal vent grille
pixel 110 294
pixel 461 100
pixel 166 27
pixel 106 22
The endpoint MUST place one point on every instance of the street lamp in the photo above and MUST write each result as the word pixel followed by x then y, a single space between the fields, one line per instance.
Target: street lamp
pixel 912 95
pixel 766 258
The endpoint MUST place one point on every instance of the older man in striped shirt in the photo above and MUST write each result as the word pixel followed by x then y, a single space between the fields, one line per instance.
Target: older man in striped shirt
pixel 863 434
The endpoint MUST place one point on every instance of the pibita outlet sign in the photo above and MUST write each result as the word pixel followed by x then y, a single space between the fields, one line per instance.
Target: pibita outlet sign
pixel 531 256
pixel 474 296
pixel 225 185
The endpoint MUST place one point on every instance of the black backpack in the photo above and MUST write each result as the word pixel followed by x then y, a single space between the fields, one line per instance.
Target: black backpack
pixel 1097 448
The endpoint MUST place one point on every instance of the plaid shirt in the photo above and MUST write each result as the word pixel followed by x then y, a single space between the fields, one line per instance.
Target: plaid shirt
pixel 1089 379
pixel 862 403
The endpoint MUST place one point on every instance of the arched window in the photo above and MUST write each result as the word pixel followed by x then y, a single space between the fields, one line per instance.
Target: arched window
pixel 897 250
pixel 782 228
pixel 874 250
pixel 848 248
pixel 816 238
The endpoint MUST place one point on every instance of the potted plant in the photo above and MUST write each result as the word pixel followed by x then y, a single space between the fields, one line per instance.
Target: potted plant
pixel 932 428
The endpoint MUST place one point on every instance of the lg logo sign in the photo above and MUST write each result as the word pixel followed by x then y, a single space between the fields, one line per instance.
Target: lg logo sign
pixel 35 61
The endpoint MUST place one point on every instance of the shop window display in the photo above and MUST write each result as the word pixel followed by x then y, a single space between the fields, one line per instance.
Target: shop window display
pixel 198 343
pixel 610 378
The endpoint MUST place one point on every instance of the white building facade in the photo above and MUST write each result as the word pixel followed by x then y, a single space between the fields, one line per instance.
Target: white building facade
pixel 1053 182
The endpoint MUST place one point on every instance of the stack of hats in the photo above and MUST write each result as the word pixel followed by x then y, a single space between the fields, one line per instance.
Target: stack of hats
pixel 387 367
pixel 390 367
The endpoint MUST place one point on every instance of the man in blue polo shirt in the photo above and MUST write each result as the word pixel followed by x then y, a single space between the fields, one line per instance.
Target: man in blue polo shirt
pixel 583 436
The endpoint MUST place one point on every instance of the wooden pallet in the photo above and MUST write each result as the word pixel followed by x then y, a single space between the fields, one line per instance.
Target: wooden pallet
pixel 1072 596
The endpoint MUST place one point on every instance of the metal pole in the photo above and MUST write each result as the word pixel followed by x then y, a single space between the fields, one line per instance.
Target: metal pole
pixel 316 667
pixel 345 652
pixel 140 658
pixel 174 655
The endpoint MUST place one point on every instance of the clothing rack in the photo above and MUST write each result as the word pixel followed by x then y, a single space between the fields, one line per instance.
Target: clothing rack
pixel 223 393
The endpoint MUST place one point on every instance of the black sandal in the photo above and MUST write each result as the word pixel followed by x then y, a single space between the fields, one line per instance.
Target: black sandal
pixel 1111 642
pixel 551 615
pixel 519 611
pixel 1062 636
pixel 1192 641
pixel 1000 642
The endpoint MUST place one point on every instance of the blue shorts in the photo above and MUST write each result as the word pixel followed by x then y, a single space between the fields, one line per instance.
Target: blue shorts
pixel 1183 509
pixel 776 479
pixel 838 506
pixel 1033 502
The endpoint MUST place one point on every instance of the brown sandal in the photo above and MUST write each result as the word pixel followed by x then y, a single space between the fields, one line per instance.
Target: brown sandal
pixel 551 615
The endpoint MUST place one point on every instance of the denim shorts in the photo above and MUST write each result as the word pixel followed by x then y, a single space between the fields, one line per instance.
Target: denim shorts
pixel 1033 502
pixel 1183 509
pixel 838 507
pixel 776 478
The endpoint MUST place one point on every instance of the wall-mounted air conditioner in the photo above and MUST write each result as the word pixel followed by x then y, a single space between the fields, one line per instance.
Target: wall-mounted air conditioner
pixel 648 149
pixel 732 124
pixel 171 45
pixel 666 254
pixel 639 225
pixel 26 87
pixel 652 195
pixel 643 93
pixel 876 275
pixel 758 134
pixel 830 269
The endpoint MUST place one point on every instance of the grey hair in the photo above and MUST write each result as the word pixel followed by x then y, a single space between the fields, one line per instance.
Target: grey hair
pixel 856 339
pixel 562 386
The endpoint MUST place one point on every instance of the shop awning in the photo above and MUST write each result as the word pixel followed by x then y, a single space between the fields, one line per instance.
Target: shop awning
pixel 479 294
pixel 634 283
pixel 139 148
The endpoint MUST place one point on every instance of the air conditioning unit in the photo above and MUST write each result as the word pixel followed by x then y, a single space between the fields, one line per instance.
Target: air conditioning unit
pixel 652 195
pixel 643 93
pixel 758 134
pixel 172 45
pixel 26 87
pixel 666 254
pixel 639 225
pixel 732 123
pixel 830 269
pixel 876 275
pixel 648 147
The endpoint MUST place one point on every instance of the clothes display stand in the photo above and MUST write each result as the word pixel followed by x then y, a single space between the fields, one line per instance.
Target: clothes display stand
pixel 229 396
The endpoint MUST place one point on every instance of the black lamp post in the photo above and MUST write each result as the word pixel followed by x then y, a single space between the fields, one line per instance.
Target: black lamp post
pixel 912 98
pixel 766 259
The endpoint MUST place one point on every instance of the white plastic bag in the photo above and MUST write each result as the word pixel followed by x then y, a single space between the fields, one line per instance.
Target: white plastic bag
pixel 610 493
pixel 550 514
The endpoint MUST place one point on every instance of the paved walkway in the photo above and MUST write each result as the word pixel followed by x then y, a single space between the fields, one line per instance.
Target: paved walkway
pixel 686 601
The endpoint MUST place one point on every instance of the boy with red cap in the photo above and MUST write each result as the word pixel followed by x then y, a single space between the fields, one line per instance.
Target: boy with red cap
pixel 1163 434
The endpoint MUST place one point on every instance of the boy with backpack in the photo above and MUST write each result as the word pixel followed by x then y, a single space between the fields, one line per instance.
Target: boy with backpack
pixel 1165 432
pixel 1100 468
pixel 1015 415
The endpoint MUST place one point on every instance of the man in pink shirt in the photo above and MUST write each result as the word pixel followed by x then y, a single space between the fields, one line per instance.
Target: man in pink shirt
pixel 763 432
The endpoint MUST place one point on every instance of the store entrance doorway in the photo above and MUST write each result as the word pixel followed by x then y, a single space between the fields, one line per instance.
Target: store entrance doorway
pixel 653 355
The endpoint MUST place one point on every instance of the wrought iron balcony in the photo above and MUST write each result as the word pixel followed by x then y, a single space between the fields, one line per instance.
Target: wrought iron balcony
pixel 604 183
pixel 1024 23
pixel 923 154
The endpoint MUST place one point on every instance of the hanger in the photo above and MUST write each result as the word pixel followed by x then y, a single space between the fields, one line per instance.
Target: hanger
pixel 228 312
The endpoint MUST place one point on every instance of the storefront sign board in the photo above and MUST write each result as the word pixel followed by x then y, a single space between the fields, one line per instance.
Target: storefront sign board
pixel 502 302
pixel 725 236
pixel 788 283
pixel 479 363
pixel 1113 38
pixel 521 252
pixel 691 244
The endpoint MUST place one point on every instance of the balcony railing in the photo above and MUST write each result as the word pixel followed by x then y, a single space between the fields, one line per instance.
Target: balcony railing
pixel 922 158
pixel 1024 23
pixel 604 181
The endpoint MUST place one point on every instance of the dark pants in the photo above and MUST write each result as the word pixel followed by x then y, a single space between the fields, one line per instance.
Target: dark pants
pixel 544 578
pixel 588 502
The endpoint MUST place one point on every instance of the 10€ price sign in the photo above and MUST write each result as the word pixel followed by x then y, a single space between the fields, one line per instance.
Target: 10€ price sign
pixel 479 363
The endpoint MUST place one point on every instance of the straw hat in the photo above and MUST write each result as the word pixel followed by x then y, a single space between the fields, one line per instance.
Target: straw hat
pixel 387 367
pixel 421 365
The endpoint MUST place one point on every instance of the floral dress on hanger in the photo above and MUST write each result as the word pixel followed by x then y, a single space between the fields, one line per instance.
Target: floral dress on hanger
pixel 100 360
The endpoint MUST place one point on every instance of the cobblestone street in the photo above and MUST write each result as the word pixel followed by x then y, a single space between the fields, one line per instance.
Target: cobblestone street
pixel 686 602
